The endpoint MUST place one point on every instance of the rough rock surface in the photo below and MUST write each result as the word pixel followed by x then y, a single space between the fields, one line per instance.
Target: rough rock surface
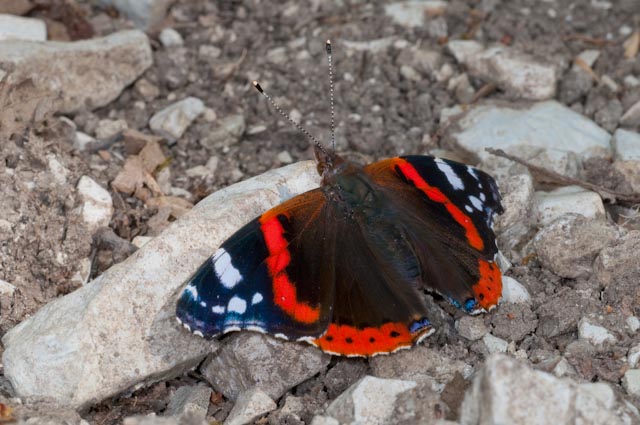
pixel 119 330
pixel 81 74
pixel 247 360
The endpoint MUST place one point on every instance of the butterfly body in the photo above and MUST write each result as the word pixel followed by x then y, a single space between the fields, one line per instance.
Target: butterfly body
pixel 343 266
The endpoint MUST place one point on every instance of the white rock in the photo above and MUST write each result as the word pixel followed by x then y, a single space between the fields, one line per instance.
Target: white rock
pixel 324 420
pixel 141 241
pixel 120 330
pixel 563 368
pixel 495 344
pixel 409 73
pixel 369 401
pixel 191 400
pixel 170 38
pixel 285 157
pixel 596 335
pixel 471 327
pixel 58 170
pixel 631 81
pixel 82 140
pixel 172 121
pixel 589 57
pixel 521 75
pixel 506 391
pixel 514 292
pixel 97 206
pixel 631 382
pixel 6 288
pixel 250 405
pixel 547 134
pixel 146 14
pixel 626 145
pixel 569 199
pixel 633 323
pixel 372 46
pixel 413 13
pixel 80 74
pixel 19 28
pixel 633 356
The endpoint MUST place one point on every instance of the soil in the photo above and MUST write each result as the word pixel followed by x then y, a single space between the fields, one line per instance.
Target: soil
pixel 379 113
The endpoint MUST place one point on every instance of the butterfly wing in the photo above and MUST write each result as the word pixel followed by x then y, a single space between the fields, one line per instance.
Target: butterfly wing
pixel 447 210
pixel 254 282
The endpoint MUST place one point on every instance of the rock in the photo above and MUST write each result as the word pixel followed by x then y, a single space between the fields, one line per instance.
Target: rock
pixel 617 265
pixel 19 28
pixel 172 121
pixel 228 132
pixel 6 289
pixel 324 420
pixel 569 245
pixel 413 13
pixel 192 401
pixel 107 129
pixel 146 89
pixel 633 356
pixel 609 116
pixel 152 419
pixel 471 327
pixel 631 382
pixel 426 61
pixel 513 322
pixel 83 74
pixel 419 364
pixel 250 405
pixel 631 117
pixel 344 374
pixel 409 73
pixel 518 218
pixel 495 344
pixel 97 207
pixel 284 157
pixel 514 292
pixel 560 314
pixel 369 401
pixel 419 405
pixel 371 46
pixel 119 330
pixel 633 323
pixel 82 140
pixel 626 145
pixel 519 74
pixel 509 392
pixel 170 38
pixel 146 14
pixel 549 206
pixel 248 359
pixel 594 334
pixel 533 134
pixel 58 170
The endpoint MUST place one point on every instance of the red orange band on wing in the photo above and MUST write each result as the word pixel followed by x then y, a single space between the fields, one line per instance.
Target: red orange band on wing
pixel 488 289
pixel 436 195
pixel 284 291
pixel 350 341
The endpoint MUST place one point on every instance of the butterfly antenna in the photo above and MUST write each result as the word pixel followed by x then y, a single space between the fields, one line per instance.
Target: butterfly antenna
pixel 333 125
pixel 295 124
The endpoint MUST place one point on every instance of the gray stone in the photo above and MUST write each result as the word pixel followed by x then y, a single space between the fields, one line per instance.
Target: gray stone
pixel 495 344
pixel 594 334
pixel 120 330
pixel 569 245
pixel 631 382
pixel 509 392
pixel 250 405
pixel 107 129
pixel 518 219
pixel 549 206
pixel 81 74
pixel 519 74
pixel 369 401
pixel 190 400
pixel 20 28
pixel 609 116
pixel 471 327
pixel 413 13
pixel 419 364
pixel 514 292
pixel 170 38
pixel 626 145
pixel 419 405
pixel 547 134
pixel 172 121
pixel 631 117
pixel 619 263
pixel 248 359
pixel 146 14
pixel 560 314
pixel 228 131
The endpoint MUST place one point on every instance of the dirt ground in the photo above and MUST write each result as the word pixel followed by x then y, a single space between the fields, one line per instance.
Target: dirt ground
pixel 281 44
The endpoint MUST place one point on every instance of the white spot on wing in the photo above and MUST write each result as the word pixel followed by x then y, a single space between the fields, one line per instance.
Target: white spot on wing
pixel 482 197
pixel 468 208
pixel 257 297
pixel 281 336
pixel 450 174
pixel 229 276
pixel 190 289
pixel 217 309
pixel 476 202
pixel 256 328
pixel 237 305
pixel 203 304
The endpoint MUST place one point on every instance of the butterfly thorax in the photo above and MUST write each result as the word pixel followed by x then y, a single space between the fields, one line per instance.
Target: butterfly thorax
pixel 350 189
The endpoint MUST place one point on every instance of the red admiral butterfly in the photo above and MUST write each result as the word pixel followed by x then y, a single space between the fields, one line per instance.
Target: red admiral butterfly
pixel 342 266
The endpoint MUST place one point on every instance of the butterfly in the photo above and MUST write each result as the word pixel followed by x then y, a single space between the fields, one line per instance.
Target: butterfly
pixel 343 266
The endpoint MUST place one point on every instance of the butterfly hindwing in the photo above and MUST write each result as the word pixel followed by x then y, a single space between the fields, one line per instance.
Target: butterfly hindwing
pixel 254 282
pixel 447 209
